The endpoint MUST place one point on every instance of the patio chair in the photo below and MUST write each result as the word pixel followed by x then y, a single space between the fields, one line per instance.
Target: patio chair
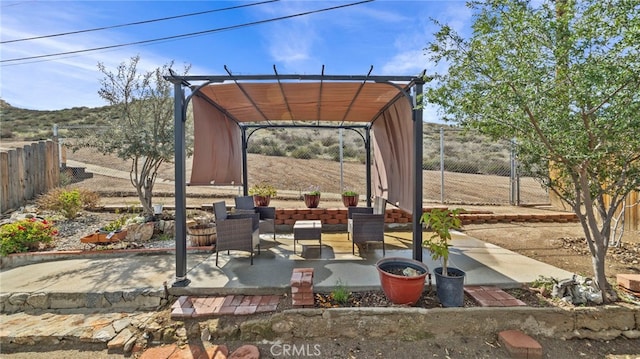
pixel 236 231
pixel 365 226
pixel 266 214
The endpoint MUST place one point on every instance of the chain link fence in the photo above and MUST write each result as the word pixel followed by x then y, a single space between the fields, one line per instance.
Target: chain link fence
pixel 458 167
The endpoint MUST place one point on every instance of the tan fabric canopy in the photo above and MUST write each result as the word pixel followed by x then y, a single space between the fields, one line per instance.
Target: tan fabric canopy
pixel 220 109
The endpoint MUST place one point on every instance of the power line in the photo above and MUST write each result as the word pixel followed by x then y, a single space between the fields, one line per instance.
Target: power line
pixel 136 23
pixel 192 34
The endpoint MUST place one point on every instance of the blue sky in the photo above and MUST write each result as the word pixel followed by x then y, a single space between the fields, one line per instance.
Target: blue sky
pixel 388 35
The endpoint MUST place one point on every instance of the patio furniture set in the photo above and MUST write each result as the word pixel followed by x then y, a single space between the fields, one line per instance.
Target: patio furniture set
pixel 239 230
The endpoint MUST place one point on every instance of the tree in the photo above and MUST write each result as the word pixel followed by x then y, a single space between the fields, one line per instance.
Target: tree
pixel 563 78
pixel 141 125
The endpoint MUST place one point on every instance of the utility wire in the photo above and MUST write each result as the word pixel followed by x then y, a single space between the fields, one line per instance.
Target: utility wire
pixel 136 23
pixel 192 34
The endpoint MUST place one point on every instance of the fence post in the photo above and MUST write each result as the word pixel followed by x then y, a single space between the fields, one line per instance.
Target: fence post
pixel 514 183
pixel 441 165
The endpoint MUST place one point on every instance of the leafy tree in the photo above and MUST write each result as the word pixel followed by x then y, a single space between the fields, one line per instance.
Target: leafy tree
pixel 141 126
pixel 562 77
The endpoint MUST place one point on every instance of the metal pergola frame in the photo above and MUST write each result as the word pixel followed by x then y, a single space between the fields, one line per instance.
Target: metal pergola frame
pixel 180 114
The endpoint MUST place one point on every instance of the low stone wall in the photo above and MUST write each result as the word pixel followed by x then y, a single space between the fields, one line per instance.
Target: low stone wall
pixel 143 299
pixel 600 323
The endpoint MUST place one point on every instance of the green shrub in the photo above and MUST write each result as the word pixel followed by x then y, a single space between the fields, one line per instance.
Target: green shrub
pixel 68 202
pixel 254 148
pixel 328 141
pixel 340 294
pixel 25 234
pixel 115 225
pixel 303 153
pixel 273 150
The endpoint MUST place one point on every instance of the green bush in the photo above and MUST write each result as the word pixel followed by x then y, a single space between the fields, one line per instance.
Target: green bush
pixel 303 153
pixel 273 150
pixel 68 202
pixel 25 234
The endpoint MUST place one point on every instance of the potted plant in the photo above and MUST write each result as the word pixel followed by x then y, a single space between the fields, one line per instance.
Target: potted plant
pixel 350 198
pixel 402 279
pixel 262 194
pixel 111 232
pixel 449 281
pixel 312 197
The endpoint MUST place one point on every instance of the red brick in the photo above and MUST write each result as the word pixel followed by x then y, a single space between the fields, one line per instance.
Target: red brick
pixel 162 352
pixel 255 300
pixel 296 279
pixel 266 308
pixel 246 352
pixel 237 299
pixel 331 221
pixel 302 270
pixel 629 281
pixel 183 301
pixel 303 211
pixel 190 352
pixel 227 309
pixel 296 290
pixel 245 309
pixel 245 301
pixel 182 312
pixel 274 299
pixel 227 300
pixel 217 352
pixel 307 279
pixel 298 216
pixel 520 345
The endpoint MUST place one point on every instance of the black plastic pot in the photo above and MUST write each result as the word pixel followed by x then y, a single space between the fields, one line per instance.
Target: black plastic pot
pixel 450 289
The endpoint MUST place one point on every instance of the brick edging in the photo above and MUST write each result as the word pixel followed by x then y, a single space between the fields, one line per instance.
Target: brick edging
pixel 288 216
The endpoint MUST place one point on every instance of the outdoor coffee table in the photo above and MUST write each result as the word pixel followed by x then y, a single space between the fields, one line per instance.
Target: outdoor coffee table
pixel 307 230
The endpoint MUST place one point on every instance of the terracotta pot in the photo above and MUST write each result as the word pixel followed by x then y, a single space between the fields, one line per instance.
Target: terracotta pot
pixel 350 201
pixel 400 289
pixel 312 200
pixel 261 201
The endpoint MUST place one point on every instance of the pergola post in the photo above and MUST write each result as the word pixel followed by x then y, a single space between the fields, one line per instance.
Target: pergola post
pixel 417 177
pixel 245 175
pixel 367 147
pixel 180 185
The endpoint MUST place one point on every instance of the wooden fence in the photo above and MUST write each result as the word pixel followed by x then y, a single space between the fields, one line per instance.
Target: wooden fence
pixel 27 172
pixel 631 204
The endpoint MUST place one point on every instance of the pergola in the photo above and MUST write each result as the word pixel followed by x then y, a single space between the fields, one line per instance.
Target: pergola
pixel 227 109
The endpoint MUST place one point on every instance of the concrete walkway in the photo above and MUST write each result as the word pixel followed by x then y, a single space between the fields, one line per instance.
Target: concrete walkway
pixel 122 271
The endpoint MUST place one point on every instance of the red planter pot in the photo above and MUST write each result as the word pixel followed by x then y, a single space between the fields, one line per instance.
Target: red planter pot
pixel 312 200
pixel 400 289
pixel 261 201
pixel 350 201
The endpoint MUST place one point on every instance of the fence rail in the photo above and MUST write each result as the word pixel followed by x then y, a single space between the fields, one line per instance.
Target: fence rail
pixel 26 172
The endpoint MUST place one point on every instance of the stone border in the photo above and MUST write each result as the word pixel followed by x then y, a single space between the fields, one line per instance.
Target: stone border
pixel 138 299
pixel 599 323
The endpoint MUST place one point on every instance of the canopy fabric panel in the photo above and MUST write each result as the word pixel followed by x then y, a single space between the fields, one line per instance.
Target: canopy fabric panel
pixel 217 157
pixel 393 165
pixel 314 101
pixel 217 150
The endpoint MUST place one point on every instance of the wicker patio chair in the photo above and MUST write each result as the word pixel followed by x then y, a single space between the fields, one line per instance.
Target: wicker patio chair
pixel 267 214
pixel 364 226
pixel 236 231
